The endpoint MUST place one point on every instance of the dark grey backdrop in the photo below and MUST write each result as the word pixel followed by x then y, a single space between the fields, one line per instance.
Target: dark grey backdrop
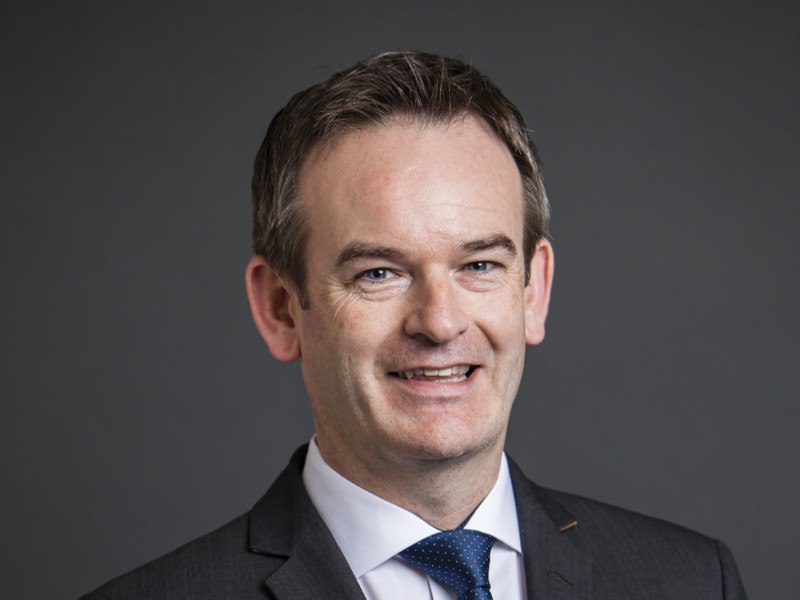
pixel 141 409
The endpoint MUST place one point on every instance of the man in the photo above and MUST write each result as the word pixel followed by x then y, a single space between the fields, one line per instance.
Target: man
pixel 401 255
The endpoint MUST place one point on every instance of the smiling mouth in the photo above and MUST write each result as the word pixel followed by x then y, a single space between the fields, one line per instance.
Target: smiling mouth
pixel 452 374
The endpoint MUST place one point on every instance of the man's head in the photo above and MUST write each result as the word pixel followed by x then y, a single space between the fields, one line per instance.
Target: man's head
pixel 423 264
pixel 422 87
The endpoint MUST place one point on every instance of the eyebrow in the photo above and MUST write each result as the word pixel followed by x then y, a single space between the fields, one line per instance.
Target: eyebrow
pixel 495 241
pixel 357 250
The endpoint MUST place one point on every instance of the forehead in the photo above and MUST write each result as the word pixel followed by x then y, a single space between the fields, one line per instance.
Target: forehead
pixel 410 181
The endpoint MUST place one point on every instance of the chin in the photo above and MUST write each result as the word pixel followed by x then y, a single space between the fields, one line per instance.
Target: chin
pixel 446 445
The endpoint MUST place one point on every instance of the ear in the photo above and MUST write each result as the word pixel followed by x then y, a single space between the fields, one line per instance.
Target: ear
pixel 537 292
pixel 273 302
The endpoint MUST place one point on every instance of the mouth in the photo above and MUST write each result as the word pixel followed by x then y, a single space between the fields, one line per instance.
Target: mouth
pixel 452 374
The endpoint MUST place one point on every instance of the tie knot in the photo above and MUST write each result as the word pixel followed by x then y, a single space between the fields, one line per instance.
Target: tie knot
pixel 458 559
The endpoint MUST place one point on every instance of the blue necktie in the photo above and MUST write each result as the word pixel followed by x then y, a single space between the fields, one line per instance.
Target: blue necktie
pixel 458 559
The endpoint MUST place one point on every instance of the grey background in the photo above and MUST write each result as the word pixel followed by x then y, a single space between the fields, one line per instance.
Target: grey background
pixel 141 409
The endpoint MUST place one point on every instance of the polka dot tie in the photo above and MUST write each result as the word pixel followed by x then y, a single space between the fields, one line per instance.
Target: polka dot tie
pixel 458 559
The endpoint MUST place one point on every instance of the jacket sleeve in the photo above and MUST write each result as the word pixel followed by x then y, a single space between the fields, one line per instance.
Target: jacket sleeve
pixel 732 587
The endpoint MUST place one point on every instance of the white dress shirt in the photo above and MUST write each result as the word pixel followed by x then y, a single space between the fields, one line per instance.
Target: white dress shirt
pixel 371 531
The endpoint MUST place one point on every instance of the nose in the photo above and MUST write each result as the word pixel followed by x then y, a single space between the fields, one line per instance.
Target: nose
pixel 436 310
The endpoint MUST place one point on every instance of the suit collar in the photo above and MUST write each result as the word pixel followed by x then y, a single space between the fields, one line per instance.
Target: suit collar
pixel 284 524
pixel 555 566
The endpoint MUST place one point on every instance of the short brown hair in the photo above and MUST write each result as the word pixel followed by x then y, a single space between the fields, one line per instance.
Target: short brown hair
pixel 425 87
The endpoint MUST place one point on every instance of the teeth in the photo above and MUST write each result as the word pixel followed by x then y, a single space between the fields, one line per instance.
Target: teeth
pixel 454 371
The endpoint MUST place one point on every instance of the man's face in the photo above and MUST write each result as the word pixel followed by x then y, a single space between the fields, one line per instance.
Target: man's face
pixel 413 343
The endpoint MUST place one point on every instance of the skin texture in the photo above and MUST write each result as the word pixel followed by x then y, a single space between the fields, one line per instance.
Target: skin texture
pixel 413 261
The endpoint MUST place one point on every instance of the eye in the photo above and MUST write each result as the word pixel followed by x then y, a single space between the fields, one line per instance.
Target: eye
pixel 379 274
pixel 380 283
pixel 480 267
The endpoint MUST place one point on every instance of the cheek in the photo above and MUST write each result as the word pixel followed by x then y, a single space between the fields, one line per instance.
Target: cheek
pixel 349 328
pixel 501 317
pixel 339 310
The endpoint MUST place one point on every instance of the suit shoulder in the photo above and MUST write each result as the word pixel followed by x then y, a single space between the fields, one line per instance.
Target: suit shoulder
pixel 217 564
pixel 629 531
pixel 647 553
pixel 607 520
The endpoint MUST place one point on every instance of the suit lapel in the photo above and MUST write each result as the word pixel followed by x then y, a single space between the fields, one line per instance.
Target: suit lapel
pixel 316 569
pixel 307 564
pixel 285 526
pixel 555 567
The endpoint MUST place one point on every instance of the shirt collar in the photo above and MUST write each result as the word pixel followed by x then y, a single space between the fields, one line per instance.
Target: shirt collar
pixel 369 530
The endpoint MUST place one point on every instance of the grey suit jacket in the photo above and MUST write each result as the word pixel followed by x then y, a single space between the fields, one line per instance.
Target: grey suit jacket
pixel 574 549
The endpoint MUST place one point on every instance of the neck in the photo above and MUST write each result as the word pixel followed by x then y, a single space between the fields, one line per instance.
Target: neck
pixel 443 492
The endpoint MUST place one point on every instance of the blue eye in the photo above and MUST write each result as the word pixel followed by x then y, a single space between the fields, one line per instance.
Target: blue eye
pixel 479 267
pixel 376 274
